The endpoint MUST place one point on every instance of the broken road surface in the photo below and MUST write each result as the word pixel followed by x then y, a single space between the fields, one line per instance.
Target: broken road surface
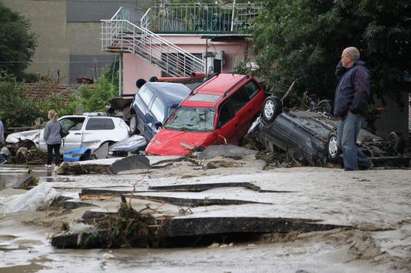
pixel 310 219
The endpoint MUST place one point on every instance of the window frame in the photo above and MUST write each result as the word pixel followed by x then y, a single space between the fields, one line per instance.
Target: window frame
pixel 100 129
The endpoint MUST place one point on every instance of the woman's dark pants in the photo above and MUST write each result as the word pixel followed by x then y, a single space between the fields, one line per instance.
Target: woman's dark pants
pixel 50 149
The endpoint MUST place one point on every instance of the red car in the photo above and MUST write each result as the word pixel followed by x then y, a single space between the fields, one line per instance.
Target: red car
pixel 219 111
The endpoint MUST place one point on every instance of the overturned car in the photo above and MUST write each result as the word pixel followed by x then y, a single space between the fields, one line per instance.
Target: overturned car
pixel 311 136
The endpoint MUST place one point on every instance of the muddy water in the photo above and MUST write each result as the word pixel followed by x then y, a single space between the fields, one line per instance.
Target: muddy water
pixel 26 248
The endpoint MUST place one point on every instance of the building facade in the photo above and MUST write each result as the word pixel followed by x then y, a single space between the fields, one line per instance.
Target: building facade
pixel 68 35
pixel 176 40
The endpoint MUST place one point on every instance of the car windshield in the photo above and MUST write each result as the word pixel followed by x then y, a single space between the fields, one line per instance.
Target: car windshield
pixel 191 119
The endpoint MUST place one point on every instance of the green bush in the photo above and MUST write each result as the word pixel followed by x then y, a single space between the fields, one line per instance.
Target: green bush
pixel 15 110
pixel 64 106
pixel 18 111
pixel 95 98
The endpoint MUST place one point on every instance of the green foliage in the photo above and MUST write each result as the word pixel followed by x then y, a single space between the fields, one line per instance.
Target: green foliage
pixel 242 68
pixel 15 110
pixel 64 106
pixel 17 44
pixel 95 98
pixel 220 2
pixel 302 40
pixel 112 73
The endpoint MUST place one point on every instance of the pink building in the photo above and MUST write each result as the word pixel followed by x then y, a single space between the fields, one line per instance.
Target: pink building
pixel 176 40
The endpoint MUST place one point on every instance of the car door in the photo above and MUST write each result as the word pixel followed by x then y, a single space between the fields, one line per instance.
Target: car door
pixel 227 122
pixel 97 131
pixel 74 127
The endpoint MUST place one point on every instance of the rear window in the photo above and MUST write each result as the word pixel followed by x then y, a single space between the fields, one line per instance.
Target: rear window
pixel 100 124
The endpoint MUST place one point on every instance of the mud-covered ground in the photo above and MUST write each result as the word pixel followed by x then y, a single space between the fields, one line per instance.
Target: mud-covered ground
pixel 372 209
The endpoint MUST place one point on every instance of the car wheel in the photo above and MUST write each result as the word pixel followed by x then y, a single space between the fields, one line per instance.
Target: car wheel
pixel 332 148
pixel 133 124
pixel 271 109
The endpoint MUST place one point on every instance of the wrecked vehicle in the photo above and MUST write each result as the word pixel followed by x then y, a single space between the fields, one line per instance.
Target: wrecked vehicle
pixel 217 112
pixel 86 131
pixel 152 105
pixel 131 145
pixel 310 136
pixel 122 106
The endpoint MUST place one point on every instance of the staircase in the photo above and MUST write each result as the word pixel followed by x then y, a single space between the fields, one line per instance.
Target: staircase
pixel 124 33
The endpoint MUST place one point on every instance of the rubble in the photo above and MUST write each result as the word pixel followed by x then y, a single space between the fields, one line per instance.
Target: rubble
pixel 104 166
pixel 131 228
pixel 355 216
pixel 192 202
pixel 127 228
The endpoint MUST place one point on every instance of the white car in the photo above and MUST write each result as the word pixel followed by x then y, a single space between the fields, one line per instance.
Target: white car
pixel 83 131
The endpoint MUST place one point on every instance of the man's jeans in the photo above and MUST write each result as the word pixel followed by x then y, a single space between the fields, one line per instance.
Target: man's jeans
pixel 347 133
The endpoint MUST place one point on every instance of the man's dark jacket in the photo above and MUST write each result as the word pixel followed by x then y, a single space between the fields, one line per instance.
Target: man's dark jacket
pixel 353 90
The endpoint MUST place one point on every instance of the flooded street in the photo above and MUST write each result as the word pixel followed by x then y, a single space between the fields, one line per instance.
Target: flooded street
pixel 380 240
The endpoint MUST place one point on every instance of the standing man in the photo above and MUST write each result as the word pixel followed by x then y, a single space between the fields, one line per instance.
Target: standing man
pixel 350 106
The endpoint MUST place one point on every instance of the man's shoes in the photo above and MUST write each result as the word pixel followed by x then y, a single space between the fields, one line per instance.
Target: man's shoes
pixel 47 165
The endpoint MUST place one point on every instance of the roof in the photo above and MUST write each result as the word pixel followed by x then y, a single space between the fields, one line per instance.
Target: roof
pixel 210 93
pixel 169 93
pixel 220 84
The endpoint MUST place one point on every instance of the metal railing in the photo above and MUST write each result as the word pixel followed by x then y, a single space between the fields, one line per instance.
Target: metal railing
pixel 122 33
pixel 198 18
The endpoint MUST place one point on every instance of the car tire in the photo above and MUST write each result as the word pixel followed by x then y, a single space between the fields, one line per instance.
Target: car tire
pixel 272 107
pixel 133 124
pixel 332 148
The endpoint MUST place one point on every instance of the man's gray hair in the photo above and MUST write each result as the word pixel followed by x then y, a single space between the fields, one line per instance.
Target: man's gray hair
pixel 352 52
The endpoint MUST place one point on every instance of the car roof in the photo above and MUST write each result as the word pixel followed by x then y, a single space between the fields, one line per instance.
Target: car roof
pixel 169 93
pixel 220 84
pixel 86 116
pixel 210 93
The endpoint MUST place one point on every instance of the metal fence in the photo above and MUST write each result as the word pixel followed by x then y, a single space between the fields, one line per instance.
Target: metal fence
pixel 197 18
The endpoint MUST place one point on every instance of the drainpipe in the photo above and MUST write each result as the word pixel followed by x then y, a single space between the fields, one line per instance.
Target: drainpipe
pixel 120 75
pixel 206 58
pixel 232 16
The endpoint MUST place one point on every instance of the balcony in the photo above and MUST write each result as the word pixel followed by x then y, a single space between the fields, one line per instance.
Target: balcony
pixel 201 19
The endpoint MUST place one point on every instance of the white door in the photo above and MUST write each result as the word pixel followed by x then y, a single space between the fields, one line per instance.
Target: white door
pixel 74 125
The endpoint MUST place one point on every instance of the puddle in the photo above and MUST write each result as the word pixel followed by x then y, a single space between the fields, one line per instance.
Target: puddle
pixel 7 237
pixel 12 174
pixel 29 268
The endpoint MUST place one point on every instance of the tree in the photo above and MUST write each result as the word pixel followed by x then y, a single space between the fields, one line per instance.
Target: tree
pixel 302 40
pixel 17 43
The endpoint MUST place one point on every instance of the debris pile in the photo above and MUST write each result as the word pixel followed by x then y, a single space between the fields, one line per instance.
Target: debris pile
pixel 126 228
